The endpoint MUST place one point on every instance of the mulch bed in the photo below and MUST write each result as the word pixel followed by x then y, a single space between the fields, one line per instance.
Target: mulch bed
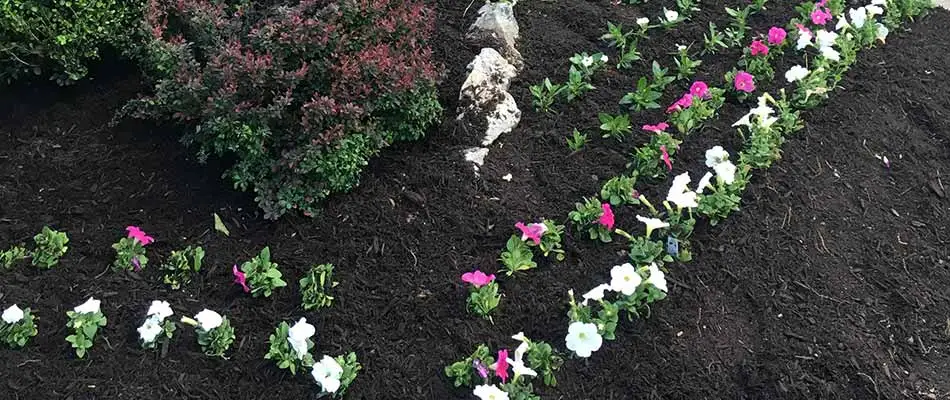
pixel 832 282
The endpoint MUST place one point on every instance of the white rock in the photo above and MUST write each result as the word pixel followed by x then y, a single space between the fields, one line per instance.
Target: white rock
pixel 497 27
pixel 476 155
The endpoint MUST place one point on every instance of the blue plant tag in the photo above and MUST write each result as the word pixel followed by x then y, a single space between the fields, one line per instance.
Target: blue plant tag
pixel 672 246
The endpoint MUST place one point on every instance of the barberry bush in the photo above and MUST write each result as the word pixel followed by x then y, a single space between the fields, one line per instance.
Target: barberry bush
pixel 301 96
pixel 59 38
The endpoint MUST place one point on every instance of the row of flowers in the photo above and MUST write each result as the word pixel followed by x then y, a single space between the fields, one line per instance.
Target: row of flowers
pixel 633 287
pixel 290 346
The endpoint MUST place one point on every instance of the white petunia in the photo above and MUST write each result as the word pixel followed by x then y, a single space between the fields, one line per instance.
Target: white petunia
pixel 859 16
pixel 327 373
pixel 91 306
pixel 670 15
pixel 520 337
pixel 489 392
pixel 804 39
pixel 657 278
pixel 12 314
pixel 587 61
pixel 882 3
pixel 161 309
pixel 583 338
pixel 842 23
pixel 873 10
pixel 208 319
pixel 596 293
pixel 624 279
pixel 796 73
pixel 150 329
pixel 297 336
pixel 825 38
pixel 715 156
pixel 882 32
pixel 517 364
pixel 830 54
pixel 643 22
pixel 726 172
pixel 704 182
pixel 603 58
pixel 652 223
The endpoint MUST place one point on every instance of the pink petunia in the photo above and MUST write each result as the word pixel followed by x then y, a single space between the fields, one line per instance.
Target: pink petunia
pixel 820 16
pixel 758 48
pixel 607 217
pixel 661 127
pixel 803 28
pixel 777 36
pixel 501 368
pixel 139 235
pixel 666 157
pixel 699 89
pixel 135 262
pixel 531 231
pixel 745 82
pixel 683 103
pixel 240 278
pixel 480 368
pixel 477 278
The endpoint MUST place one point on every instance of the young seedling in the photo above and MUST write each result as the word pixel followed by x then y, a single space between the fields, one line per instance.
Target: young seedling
pixel 50 246
pixel 315 287
pixel 85 321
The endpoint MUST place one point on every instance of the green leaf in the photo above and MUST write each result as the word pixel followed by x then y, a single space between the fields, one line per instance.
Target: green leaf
pixel 219 225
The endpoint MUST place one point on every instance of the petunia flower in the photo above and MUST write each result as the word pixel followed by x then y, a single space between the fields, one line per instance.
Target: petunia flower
pixel 532 231
pixel 777 35
pixel 704 182
pixel 683 103
pixel 758 48
pixel 624 279
pixel 480 368
pixel 587 61
pixel 825 38
pixel 804 37
pixel 518 366
pixel 161 309
pixel 726 172
pixel 489 392
pixel 477 278
pixel 796 73
pixel 657 278
pixel 150 329
pixel 820 16
pixel 716 155
pixel 501 367
pixel 208 320
pixel 699 89
pixel 298 335
pixel 327 373
pixel 745 82
pixel 882 32
pixel 139 235
pixel 607 217
pixel 859 16
pixel 91 306
pixel 12 314
pixel 680 194
pixel 830 54
pixel 643 22
pixel 670 15
pixel 658 128
pixel 240 278
pixel 596 294
pixel 652 223
pixel 583 338
pixel 665 156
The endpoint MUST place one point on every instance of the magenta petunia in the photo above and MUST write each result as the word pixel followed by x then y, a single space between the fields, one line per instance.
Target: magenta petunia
pixel 661 127
pixel 820 16
pixel 501 367
pixel 683 103
pixel 758 48
pixel 745 82
pixel 477 278
pixel 139 235
pixel 699 89
pixel 777 36
pixel 531 231
pixel 666 157
pixel 240 278
pixel 606 217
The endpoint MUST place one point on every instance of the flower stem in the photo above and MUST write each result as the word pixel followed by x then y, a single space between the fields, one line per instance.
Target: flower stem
pixel 189 321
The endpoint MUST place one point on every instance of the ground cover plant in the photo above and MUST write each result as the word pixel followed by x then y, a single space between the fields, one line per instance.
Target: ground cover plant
pixel 798 254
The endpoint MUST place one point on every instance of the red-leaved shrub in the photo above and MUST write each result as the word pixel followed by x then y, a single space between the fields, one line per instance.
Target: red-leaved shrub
pixel 300 95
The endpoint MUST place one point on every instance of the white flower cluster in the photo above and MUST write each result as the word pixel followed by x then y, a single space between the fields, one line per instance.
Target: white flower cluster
pixel 12 314
pixel 154 321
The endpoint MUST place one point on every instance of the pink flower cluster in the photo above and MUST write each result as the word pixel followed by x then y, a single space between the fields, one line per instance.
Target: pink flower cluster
pixel 745 82
pixel 777 36
pixel 477 278
pixel 822 14
pixel 531 231
pixel 698 89
pixel 606 217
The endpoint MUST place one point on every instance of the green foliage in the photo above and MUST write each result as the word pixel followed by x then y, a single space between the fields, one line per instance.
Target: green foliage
pixel 217 341
pixel 615 126
pixel 351 367
pixel 644 98
pixel 10 257
pixel 544 360
pixel 284 354
pixel 316 285
pixel 128 249
pixel 517 256
pixel 50 246
pixel 577 140
pixel 713 41
pixel 647 162
pixel 262 275
pixel 576 84
pixel 690 119
pixel 586 215
pixel 60 37
pixel 483 300
pixel 643 251
pixel 685 66
pixel 619 191
pixel 545 94
pixel 463 373
pixel 551 240
pixel 182 265
pixel 84 326
pixel 17 334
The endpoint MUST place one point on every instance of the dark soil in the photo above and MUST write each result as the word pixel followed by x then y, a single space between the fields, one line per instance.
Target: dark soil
pixel 832 282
